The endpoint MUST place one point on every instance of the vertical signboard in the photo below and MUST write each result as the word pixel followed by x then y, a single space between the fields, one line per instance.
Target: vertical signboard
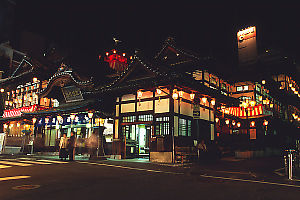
pixel 196 111
pixel 247 50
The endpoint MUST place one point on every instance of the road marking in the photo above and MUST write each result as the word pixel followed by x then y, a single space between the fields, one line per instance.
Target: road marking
pixel 4 166
pixel 205 176
pixel 132 168
pixel 35 162
pixel 52 161
pixel 15 163
pixel 250 181
pixel 13 178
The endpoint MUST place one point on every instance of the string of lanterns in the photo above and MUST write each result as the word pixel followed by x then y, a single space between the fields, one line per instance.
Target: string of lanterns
pixel 238 124
pixel 178 94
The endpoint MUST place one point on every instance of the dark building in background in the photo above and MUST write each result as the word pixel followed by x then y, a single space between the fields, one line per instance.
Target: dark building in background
pixel 7 12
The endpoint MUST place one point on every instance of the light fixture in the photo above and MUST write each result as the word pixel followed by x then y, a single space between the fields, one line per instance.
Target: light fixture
pixel 252 103
pixel 175 94
pixel 35 79
pixel 296 92
pixel 18 124
pixel 192 96
pixel 158 91
pixel 72 116
pixel 139 94
pixel 293 89
pixel 59 118
pixel 107 53
pixel 180 94
pixel 260 98
pixel 5 126
pixel 46 120
pixel 114 51
pixel 33 120
pixel 290 85
pixel 204 99
pixel 217 120
pixel 124 54
pixel 2 90
pixel 90 115
pixel 263 82
pixel 265 123
pixel 238 124
pixel 213 102
pixel 271 105
pixel 252 124
pixel 227 121
pixel 233 122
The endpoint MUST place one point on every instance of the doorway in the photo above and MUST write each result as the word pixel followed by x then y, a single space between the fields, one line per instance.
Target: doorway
pixel 137 140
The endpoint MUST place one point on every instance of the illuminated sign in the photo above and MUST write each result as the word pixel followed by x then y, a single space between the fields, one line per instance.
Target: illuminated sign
pixel 72 93
pixel 246 33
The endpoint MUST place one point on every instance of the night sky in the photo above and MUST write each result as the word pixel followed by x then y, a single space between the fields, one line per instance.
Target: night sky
pixel 85 30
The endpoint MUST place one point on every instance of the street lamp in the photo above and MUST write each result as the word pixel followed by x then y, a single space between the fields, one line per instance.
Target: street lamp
pixel 266 126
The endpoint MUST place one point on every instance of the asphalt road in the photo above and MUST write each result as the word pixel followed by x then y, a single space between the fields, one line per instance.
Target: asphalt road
pixel 114 180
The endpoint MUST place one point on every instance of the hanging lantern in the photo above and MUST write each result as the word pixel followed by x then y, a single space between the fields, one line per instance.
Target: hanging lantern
pixel 72 116
pixel 227 121
pixel 252 124
pixel 1 90
pixel 158 91
pixel 290 85
pixel 18 124
pixel 252 103
pixel 116 61
pixel 46 120
pixel 238 124
pixel 90 115
pixel 293 89
pixel 192 96
pixel 175 94
pixel 59 118
pixel 213 102
pixel 263 82
pixel 217 120
pixel 204 99
pixel 139 94
pixel 260 98
pixel 271 105
pixel 33 120
pixel 180 94
pixel 233 123
pixel 265 123
pixel 5 126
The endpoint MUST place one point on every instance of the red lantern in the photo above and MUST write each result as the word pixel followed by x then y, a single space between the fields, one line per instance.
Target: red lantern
pixel 116 61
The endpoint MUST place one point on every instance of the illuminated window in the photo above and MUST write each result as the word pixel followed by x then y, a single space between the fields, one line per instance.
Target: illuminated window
pixel 145 117
pixel 162 129
pixel 129 119
pixel 185 127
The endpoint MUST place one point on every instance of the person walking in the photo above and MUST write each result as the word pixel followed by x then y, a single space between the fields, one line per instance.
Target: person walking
pixel 63 153
pixel 71 146
pixel 202 150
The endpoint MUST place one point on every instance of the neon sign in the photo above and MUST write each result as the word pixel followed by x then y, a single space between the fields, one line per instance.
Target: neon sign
pixel 246 33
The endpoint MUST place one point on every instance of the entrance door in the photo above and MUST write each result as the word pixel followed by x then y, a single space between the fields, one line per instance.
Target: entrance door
pixel 137 140
pixel 143 134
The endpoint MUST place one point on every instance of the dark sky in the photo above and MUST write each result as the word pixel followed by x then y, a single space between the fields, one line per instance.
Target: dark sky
pixel 205 28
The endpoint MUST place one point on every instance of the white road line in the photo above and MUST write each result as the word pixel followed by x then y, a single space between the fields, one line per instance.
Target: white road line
pixel 132 168
pixel 35 162
pixel 250 181
pixel 4 166
pixel 15 163
pixel 52 161
pixel 205 176
pixel 13 178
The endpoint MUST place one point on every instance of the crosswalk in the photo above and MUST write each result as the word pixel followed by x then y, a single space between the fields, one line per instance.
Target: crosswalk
pixel 25 162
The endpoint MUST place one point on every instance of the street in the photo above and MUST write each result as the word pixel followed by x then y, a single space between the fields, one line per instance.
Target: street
pixel 50 179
